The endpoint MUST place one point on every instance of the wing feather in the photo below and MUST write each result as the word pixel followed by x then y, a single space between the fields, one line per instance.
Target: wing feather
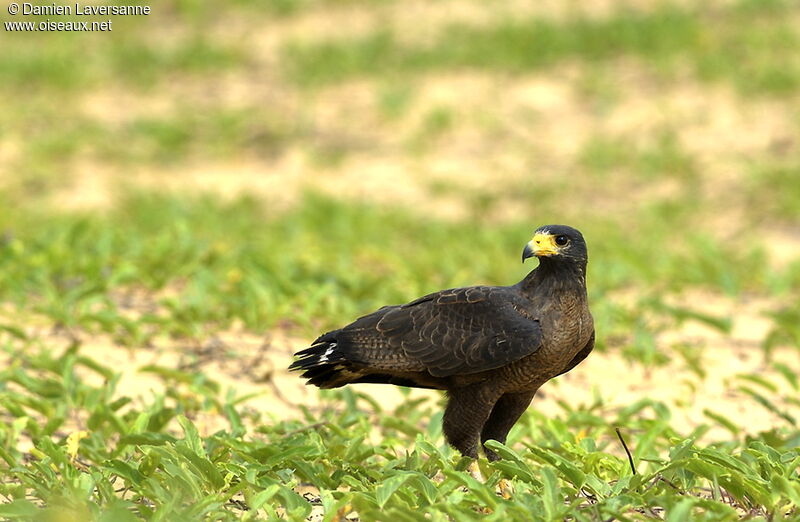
pixel 453 332
pixel 461 331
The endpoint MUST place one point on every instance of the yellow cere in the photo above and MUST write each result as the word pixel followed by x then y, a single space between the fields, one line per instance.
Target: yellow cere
pixel 543 245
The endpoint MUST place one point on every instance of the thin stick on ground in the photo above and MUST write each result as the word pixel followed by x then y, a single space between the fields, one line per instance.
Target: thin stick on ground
pixel 627 451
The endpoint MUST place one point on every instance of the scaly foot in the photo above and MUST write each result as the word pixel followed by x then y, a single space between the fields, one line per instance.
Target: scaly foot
pixel 475 471
pixel 505 489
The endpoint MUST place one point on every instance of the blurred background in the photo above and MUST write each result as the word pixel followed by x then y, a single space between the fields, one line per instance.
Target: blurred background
pixel 203 190
pixel 285 166
pixel 515 111
pixel 291 164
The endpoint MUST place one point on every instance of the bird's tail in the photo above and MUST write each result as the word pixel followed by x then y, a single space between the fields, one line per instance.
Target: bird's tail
pixel 323 364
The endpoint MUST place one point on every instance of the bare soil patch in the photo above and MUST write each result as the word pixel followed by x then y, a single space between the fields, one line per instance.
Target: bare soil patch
pixel 529 132
pixel 255 365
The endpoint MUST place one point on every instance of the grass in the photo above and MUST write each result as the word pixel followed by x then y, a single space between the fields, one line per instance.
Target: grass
pixel 740 45
pixel 96 454
pixel 162 120
pixel 104 457
pixel 663 158
pixel 774 193
pixel 122 60
pixel 208 263
pixel 198 86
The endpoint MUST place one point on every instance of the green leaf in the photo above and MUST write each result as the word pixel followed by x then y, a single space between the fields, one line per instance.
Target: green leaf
pixel 681 511
pixel 722 420
pixel 146 439
pixel 203 465
pixel 118 512
pixel 17 332
pixel 790 488
pixel 95 366
pixel 126 471
pixel 191 436
pixel 789 374
pixel 426 487
pixel 296 506
pixel 389 485
pixel 511 463
pixel 481 491
pixel 262 497
pixel 551 494
pixel 567 468
pixel 19 509
pixel 761 381
pixel 234 418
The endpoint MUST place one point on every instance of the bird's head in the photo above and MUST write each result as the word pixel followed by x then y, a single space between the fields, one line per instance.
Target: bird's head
pixel 557 243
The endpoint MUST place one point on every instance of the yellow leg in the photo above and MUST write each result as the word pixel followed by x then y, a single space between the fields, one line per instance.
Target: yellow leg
pixel 505 489
pixel 341 515
pixel 504 486
pixel 475 471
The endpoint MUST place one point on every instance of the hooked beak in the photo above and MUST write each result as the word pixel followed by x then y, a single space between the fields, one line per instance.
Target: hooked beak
pixel 542 245
pixel 527 252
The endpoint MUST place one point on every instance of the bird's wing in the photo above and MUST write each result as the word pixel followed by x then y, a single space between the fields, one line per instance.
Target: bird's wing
pixel 461 331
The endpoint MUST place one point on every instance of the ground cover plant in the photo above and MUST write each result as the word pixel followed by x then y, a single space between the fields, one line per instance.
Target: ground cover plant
pixel 76 444
pixel 193 200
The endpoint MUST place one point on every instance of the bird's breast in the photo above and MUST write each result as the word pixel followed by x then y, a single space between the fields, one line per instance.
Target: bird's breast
pixel 565 331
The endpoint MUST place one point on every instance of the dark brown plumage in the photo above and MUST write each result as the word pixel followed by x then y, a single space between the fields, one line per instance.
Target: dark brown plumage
pixel 490 347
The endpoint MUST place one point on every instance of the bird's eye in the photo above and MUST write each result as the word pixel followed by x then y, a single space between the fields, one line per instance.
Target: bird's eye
pixel 562 240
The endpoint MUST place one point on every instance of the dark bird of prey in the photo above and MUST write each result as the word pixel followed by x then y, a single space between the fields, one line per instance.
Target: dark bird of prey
pixel 489 347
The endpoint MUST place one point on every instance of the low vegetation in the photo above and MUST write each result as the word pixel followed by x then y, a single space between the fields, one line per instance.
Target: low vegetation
pixel 683 235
